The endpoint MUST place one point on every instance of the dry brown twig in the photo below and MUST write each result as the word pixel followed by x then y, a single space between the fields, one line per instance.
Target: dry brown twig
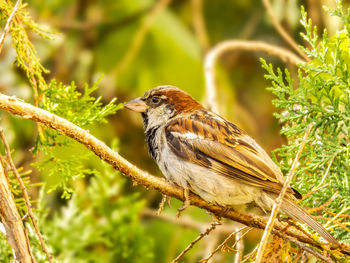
pixel 205 233
pixel 27 111
pixel 239 247
pixel 141 34
pixel 320 185
pixel 278 203
pixel 199 24
pixel 9 22
pixel 12 222
pixel 235 45
pixel 186 221
pixel 25 196
pixel 309 250
pixel 221 246
pixel 324 205
pixel 335 222
pixel 337 215
pixel 283 32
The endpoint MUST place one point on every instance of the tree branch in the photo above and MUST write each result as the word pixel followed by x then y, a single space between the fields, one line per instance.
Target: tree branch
pixel 283 32
pixel 205 233
pixel 8 23
pixel 27 111
pixel 235 45
pixel 279 200
pixel 198 23
pixel 141 33
pixel 25 196
pixel 12 221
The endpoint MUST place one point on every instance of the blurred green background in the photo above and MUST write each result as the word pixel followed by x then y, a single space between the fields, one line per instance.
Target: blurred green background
pixel 94 38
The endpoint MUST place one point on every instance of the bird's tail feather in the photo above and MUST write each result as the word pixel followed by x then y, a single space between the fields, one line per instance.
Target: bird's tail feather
pixel 295 211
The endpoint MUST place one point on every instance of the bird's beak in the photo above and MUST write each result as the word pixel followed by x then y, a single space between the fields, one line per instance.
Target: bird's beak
pixel 136 105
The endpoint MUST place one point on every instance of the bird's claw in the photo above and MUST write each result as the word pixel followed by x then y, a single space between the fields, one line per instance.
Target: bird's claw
pixel 185 204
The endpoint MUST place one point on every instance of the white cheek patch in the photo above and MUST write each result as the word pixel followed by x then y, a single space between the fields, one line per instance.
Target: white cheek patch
pixel 159 116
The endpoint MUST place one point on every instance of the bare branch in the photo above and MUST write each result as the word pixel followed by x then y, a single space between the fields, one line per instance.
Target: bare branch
pixel 235 45
pixel 320 185
pixel 337 215
pixel 12 222
pixel 207 232
pixel 141 34
pixel 27 111
pixel 239 246
pixel 283 32
pixel 309 249
pixel 8 23
pixel 186 221
pixel 199 24
pixel 278 203
pixel 324 205
pixel 25 196
pixel 221 246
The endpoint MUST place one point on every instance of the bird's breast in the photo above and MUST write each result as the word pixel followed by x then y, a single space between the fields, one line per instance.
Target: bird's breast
pixel 154 140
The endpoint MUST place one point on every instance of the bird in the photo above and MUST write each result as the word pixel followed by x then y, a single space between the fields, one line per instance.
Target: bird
pixel 212 157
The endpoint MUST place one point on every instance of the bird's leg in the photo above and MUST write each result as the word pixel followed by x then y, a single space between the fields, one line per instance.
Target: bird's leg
pixel 161 205
pixel 168 198
pixel 165 198
pixel 186 202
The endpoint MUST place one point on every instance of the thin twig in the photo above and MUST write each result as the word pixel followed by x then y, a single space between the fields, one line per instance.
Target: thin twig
pixel 199 24
pixel 335 222
pixel 27 111
pixel 283 32
pixel 25 195
pixel 12 223
pixel 210 244
pixel 205 233
pixel 279 200
pixel 309 249
pixel 239 247
pixel 337 215
pixel 141 34
pixel 186 221
pixel 320 185
pixel 235 45
pixel 8 23
pixel 30 251
pixel 205 260
pixel 324 205
pixel 220 247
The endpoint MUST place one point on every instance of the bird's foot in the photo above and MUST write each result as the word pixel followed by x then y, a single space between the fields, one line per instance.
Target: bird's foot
pixel 186 203
pixel 165 198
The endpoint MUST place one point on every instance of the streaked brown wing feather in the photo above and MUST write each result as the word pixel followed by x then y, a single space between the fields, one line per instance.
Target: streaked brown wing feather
pixel 221 146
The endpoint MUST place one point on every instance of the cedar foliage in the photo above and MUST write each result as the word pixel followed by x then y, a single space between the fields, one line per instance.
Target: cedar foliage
pixel 321 97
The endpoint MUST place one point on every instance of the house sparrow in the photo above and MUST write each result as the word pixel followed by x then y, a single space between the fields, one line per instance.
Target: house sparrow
pixel 210 156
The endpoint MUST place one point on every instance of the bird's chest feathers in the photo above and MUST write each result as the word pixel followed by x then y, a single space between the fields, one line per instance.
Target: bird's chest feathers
pixel 154 129
pixel 155 140
pixel 168 162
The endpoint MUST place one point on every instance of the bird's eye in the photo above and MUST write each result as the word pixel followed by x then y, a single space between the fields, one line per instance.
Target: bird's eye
pixel 155 99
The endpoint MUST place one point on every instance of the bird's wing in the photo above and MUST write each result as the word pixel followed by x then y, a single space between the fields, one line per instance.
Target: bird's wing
pixel 219 145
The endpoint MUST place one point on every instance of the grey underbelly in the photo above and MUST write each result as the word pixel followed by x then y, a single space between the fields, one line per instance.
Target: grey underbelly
pixel 213 187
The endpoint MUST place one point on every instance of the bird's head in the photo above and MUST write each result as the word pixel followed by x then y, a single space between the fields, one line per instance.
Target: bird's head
pixel 162 103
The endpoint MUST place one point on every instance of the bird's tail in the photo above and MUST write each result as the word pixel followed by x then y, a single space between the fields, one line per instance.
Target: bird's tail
pixel 293 210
